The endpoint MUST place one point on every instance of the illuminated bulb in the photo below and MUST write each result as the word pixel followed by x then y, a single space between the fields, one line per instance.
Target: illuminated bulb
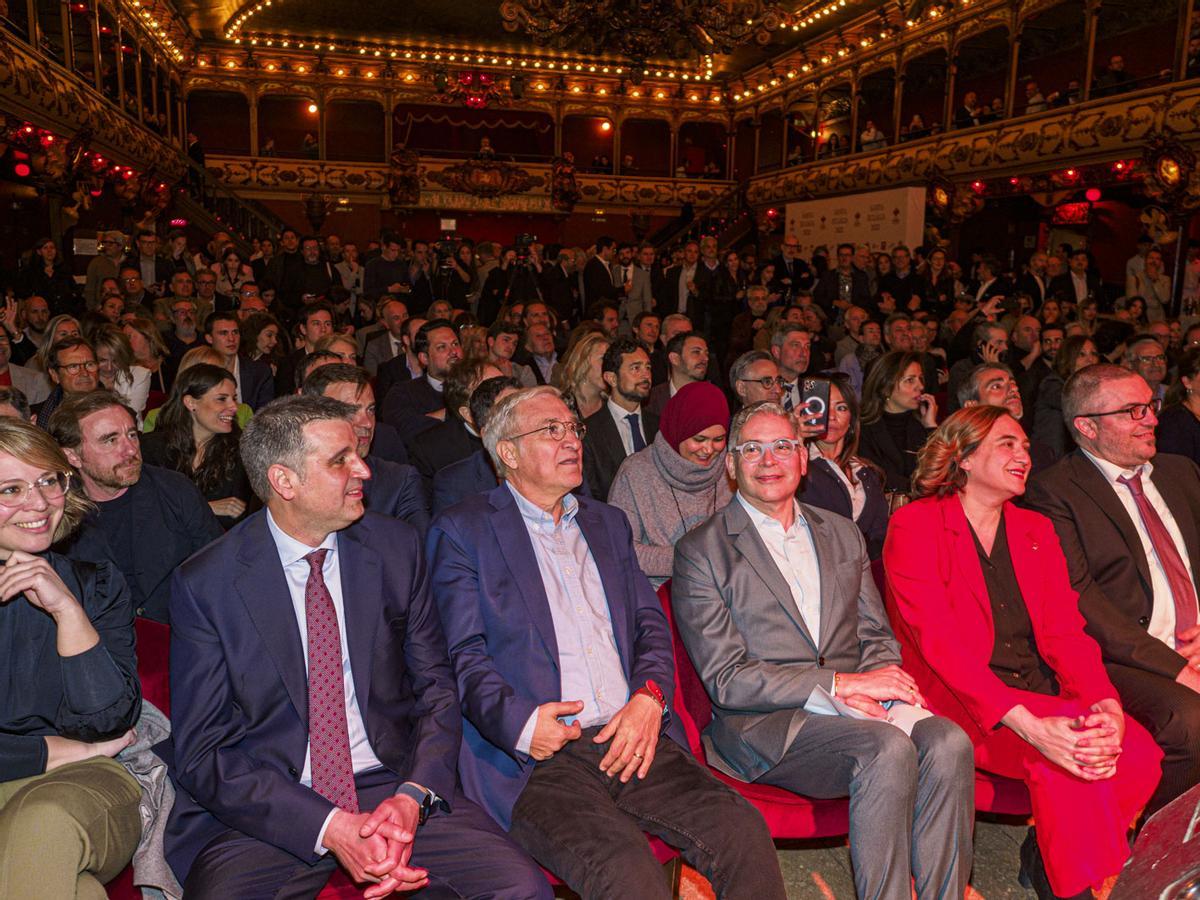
pixel 603 92
pixel 660 95
pixel 312 109
pixel 606 125
pixel 695 98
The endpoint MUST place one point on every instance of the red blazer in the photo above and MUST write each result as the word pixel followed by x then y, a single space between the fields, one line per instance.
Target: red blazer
pixel 938 603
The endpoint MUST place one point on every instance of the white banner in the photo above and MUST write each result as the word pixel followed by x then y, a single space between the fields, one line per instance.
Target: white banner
pixel 880 219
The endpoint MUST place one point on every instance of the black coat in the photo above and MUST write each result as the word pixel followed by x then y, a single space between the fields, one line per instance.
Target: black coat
pixel 407 405
pixel 825 294
pixel 461 479
pixel 396 490
pixel 824 489
pixel 598 283
pixel 898 462
pixel 445 443
pixel 603 451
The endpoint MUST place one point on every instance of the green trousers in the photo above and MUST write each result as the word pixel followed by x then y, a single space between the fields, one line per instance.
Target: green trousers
pixel 65 833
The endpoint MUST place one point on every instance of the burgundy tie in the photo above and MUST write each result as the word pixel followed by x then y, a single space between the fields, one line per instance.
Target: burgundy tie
pixel 1182 589
pixel 328 735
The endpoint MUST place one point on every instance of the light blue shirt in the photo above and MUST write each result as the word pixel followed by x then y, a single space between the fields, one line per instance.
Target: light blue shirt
pixel 587 647
pixel 296 571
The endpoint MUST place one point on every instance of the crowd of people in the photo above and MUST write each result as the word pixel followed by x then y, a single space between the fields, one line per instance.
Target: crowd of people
pixel 405 512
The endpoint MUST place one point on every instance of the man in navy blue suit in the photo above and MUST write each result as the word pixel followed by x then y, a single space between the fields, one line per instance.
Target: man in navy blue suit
pixel 474 474
pixel 395 489
pixel 563 659
pixel 315 716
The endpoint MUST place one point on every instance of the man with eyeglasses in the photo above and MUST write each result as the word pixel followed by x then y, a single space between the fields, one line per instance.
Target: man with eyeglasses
pixel 1147 356
pixel 1126 518
pixel 184 335
pixel 133 289
pixel 564 666
pixel 72 368
pixel 755 378
pixel 775 601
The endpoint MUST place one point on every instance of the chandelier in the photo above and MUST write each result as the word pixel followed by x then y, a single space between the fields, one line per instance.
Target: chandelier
pixel 640 30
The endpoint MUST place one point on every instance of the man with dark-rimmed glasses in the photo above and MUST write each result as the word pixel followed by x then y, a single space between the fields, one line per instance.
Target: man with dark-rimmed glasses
pixel 1127 520
pixel 565 671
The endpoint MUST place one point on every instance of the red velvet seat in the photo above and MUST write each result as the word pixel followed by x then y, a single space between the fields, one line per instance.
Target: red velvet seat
pixel 791 816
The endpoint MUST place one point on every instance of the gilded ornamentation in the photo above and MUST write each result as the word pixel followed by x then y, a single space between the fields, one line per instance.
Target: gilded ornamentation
pixel 486 178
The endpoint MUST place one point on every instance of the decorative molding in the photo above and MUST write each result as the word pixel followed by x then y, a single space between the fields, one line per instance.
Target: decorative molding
pixel 264 177
pixel 1108 129
pixel 51 97
pixel 486 178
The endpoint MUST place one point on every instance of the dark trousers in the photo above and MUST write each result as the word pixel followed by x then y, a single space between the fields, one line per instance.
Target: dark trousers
pixel 1171 713
pixel 588 828
pixel 465 852
pixel 912 800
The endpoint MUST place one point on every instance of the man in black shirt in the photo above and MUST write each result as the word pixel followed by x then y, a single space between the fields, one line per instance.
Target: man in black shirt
pixel 147 520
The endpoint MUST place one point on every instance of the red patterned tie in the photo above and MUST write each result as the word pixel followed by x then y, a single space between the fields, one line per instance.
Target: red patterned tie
pixel 1182 589
pixel 328 736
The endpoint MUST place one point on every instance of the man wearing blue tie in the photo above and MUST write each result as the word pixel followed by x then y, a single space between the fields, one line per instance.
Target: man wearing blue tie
pixel 790 348
pixel 621 427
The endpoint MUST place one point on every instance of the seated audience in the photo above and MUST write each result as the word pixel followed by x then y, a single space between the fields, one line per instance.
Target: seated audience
pixel 1077 352
pixel 260 340
pixel 254 380
pixel 992 384
pixel 1127 522
pixel 71 365
pixel 819 623
pixel 838 479
pixel 677 482
pixel 267 803
pixel 580 376
pixel 150 353
pixel 201 355
pixel 502 340
pixel 394 488
pixel 1146 356
pixel 573 759
pixel 456 438
pixel 197 435
pixel 1179 423
pixel 32 383
pixel 416 404
pixel 754 378
pixel 621 427
pixel 69 817
pixel 1015 669
pixel 117 371
pixel 475 474
pixel 146 520
pixel 687 361
pixel 897 416
pixel 790 346
pixel 13 404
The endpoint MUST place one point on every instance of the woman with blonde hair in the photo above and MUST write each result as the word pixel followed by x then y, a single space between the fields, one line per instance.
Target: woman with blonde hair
pixel 981 601
pixel 118 372
pixel 59 327
pixel 579 376
pixel 343 346
pixel 69 817
pixel 150 352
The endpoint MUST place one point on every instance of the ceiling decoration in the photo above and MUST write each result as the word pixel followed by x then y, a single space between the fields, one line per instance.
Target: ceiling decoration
pixel 641 30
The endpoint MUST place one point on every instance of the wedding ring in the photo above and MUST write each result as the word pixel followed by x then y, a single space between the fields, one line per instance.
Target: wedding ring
pixel 638 756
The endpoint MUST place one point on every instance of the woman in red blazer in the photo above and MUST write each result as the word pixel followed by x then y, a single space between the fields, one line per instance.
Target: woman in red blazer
pixel 979 597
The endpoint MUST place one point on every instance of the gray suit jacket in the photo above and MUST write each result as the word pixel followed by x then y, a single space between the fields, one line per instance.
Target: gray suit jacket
pixel 749 643
pixel 639 299
pixel 378 351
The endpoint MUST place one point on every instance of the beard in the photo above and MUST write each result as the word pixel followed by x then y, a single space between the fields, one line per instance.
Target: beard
pixel 122 475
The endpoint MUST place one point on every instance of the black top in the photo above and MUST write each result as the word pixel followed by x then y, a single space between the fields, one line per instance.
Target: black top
pixel 1015 658
pixel 1179 432
pixel 234 484
pixel 92 696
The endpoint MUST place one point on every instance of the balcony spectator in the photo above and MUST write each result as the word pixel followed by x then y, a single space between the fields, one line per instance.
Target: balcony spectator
pixel 969 114
pixel 310 147
pixel 1034 101
pixel 1114 79
pixel 871 138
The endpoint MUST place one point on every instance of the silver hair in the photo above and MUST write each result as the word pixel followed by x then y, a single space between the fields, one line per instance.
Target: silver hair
pixel 781 333
pixel 502 420
pixel 744 415
pixel 275 436
pixel 742 365
pixel 757 289
pixel 968 391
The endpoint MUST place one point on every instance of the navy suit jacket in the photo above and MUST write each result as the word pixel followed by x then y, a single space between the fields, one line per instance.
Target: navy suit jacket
pixel 459 480
pixel 397 490
pixel 239 693
pixel 407 404
pixel 823 489
pixel 488 589
pixel 258 383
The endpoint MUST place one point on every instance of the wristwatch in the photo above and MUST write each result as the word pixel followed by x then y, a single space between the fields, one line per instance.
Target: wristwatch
pixel 424 799
pixel 654 692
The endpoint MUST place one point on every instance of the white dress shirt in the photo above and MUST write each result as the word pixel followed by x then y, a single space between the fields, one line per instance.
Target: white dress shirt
pixel 1162 614
pixel 296 571
pixel 795 556
pixel 625 427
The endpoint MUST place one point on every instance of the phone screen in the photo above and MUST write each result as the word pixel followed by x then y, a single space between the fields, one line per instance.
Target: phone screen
pixel 814 402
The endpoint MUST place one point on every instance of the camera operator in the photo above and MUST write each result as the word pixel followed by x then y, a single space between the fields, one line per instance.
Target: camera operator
pixel 513 281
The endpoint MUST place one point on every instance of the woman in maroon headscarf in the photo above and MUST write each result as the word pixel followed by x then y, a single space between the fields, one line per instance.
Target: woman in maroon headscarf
pixel 678 481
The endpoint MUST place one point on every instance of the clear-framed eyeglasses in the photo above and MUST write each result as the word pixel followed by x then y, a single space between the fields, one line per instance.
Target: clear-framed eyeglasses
pixel 52 486
pixel 755 451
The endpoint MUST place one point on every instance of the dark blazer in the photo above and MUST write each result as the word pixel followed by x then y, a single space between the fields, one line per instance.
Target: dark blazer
pixel 823 489
pixel 258 383
pixel 1179 432
pixel 459 480
pixel 668 295
pixel 407 403
pixel 801 276
pixel 598 283
pixel 445 443
pixel 1104 553
pixel 387 444
pixel 391 373
pixel 1038 289
pixel 396 490
pixel 239 695
pixel 1063 286
pixel 603 451
pixel 877 444
pixel 164 269
pixel 171 520
pixel 561 291
pixel 825 294
pixel 92 696
pixel 486 583
pixel 939 604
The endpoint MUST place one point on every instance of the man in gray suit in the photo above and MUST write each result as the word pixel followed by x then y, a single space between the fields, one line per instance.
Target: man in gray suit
pixel 634 292
pixel 774 598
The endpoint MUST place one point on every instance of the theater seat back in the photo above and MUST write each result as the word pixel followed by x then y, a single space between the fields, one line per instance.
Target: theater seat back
pixel 153 656
pixel 692 705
